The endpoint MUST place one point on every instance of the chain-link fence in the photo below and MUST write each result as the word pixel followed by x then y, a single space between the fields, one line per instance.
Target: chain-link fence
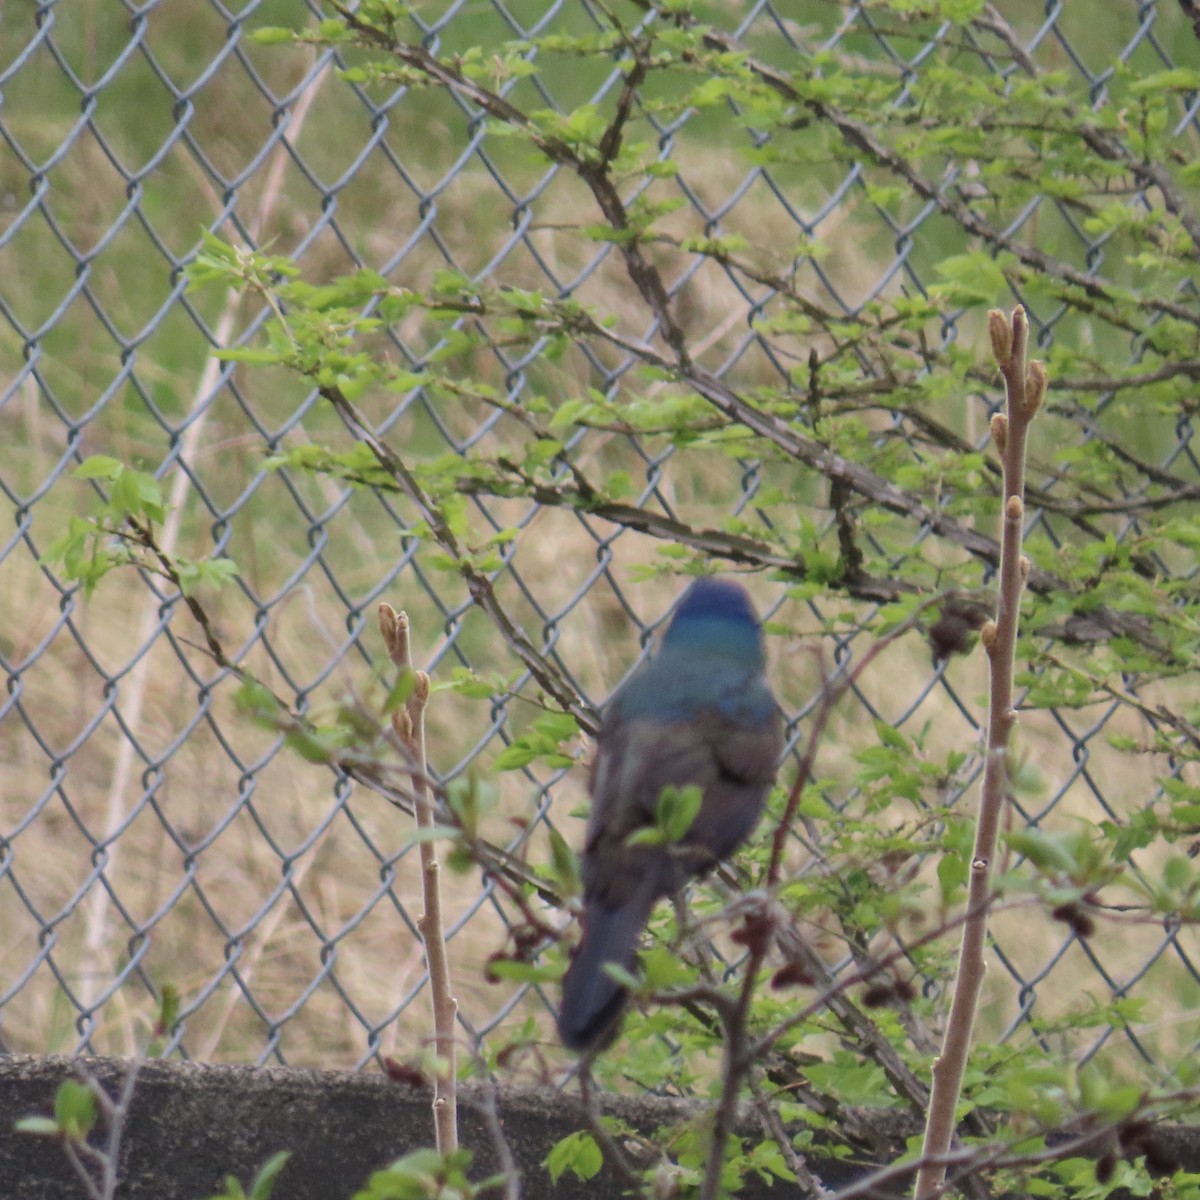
pixel 151 832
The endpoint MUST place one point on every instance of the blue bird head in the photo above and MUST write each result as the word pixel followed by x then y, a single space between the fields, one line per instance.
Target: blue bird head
pixel 717 615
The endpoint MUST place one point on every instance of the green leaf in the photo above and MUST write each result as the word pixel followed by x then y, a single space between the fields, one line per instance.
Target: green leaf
pixel 212 572
pixel 135 494
pixel 42 1126
pixel 663 968
pixel 622 976
pixel 470 798
pixel 168 1006
pixel 649 835
pixel 1047 852
pixel 400 691
pixel 257 701
pixel 1178 873
pixel 543 742
pixel 421 1175
pixel 98 466
pixel 250 355
pixel 1179 79
pixel 522 972
pixel 271 35
pixel 578 1153
pixel 314 745
pixel 75 1109
pixel 465 682
pixel 432 833
pixel 889 735
pixel 519 754
pixel 264 1181
pixel 976 277
pixel 676 810
pixel 564 863
pixel 952 875
pixel 558 726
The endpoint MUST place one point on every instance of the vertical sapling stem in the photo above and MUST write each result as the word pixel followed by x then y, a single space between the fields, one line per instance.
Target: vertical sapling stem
pixel 409 723
pixel 1024 387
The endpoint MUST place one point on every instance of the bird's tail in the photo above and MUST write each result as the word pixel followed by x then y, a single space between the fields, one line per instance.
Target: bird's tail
pixel 591 999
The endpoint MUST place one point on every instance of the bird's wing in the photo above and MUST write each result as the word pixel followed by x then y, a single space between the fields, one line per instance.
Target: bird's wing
pixel 634 761
pixel 733 763
pixel 746 758
pixel 748 750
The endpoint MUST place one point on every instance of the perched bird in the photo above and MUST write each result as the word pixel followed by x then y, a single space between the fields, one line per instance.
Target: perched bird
pixel 699 713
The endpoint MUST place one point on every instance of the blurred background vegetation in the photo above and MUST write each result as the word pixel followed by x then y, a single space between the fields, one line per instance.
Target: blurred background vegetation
pixel 830 211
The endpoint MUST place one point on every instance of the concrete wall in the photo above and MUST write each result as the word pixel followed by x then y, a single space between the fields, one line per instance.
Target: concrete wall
pixel 192 1125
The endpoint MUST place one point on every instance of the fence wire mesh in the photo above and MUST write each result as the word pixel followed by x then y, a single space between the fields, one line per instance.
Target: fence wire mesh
pixel 150 832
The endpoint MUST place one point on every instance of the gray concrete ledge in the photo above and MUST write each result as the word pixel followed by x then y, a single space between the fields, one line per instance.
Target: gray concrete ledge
pixel 190 1125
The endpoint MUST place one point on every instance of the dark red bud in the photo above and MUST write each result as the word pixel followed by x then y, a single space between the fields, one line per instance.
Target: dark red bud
pixel 1082 925
pixel 753 932
pixel 405 1073
pixel 877 995
pixel 1161 1159
pixel 791 975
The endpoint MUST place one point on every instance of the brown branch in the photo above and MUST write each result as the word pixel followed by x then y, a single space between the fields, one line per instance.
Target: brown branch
pixel 144 536
pixel 888 495
pixel 736 1062
pixel 613 1154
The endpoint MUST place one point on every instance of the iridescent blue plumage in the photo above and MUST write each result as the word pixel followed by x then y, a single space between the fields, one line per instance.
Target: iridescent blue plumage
pixel 699 713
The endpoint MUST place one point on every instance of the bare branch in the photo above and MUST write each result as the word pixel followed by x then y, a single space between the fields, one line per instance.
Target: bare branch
pixel 408 723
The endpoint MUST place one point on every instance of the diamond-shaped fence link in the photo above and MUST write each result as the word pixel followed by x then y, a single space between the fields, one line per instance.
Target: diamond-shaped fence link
pixel 150 832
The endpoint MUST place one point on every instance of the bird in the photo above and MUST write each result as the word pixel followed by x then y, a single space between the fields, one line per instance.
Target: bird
pixel 699 713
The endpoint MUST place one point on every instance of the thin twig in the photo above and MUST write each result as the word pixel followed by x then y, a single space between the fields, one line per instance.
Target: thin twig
pixel 118 1114
pixel 500 1144
pixel 408 722
pixel 90 1186
pixel 831 988
pixel 613 1154
pixel 735 1064
pixel 771 1121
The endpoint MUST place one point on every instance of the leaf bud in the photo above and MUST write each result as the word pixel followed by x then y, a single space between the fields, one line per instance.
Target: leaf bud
pixel 1001 335
pixel 987 635
pixel 1035 388
pixel 999 427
